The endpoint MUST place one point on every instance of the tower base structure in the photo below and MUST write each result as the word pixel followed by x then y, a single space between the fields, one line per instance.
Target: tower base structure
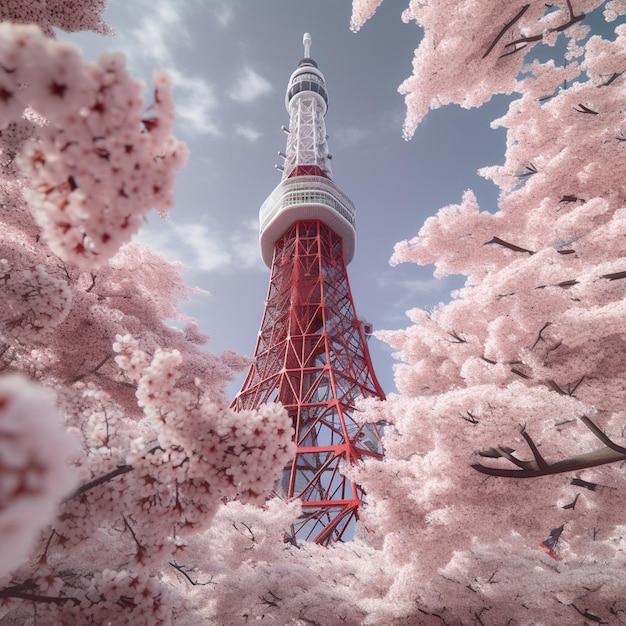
pixel 312 356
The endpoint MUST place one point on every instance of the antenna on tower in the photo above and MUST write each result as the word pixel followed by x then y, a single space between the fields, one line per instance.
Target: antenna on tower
pixel 306 40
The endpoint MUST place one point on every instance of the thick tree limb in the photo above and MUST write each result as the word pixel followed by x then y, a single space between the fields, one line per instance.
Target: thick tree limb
pixel 506 244
pixel 538 466
pixel 105 478
pixel 615 276
pixel 21 592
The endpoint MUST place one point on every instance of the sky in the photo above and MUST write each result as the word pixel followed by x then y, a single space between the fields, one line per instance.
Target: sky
pixel 230 61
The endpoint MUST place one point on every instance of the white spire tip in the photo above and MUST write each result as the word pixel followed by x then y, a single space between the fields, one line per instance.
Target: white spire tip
pixel 306 41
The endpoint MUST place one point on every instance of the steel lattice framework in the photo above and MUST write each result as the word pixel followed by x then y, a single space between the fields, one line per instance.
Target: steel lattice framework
pixel 311 355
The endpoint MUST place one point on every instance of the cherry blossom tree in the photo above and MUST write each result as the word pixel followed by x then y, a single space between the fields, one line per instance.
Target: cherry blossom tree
pixel 499 499
pixel 521 374
pixel 527 355
pixel 132 448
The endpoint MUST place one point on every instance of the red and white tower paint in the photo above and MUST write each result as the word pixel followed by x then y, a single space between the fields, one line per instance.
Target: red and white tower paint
pixel 311 354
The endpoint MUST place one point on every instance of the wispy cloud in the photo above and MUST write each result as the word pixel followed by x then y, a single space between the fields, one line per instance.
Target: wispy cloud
pixel 249 86
pixel 350 135
pixel 410 292
pixel 154 40
pixel 204 248
pixel 247 132
pixel 246 245
pixel 161 25
pixel 422 287
pixel 224 13
pixel 195 103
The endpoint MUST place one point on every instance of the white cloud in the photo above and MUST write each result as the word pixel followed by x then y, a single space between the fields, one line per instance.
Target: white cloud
pixel 224 14
pixel 159 29
pixel 195 102
pixel 347 136
pixel 249 86
pixel 423 287
pixel 204 248
pixel 409 293
pixel 157 38
pixel 245 244
pixel 247 132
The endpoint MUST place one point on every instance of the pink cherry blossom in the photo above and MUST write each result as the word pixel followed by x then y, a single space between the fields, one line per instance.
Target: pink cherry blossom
pixel 34 472
pixel 499 500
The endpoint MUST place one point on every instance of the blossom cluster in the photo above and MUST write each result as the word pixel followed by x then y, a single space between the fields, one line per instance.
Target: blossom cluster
pixel 68 15
pixel 102 159
pixel 213 451
pixel 511 374
pixel 33 303
pixel 34 473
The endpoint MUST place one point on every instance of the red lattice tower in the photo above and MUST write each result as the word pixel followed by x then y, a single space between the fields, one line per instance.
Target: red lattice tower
pixel 311 353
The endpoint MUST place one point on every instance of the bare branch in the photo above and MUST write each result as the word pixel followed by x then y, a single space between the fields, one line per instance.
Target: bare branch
pixel 615 76
pixel 572 504
pixel 21 592
pixel 572 391
pixel 615 276
pixel 573 19
pixel 581 461
pixel 469 417
pixel 458 338
pixel 506 244
pixel 579 482
pixel 602 436
pixel 179 568
pixel 588 614
pixel 581 108
pixel 566 284
pixel 93 282
pixel 519 372
pixel 530 168
pixel 556 388
pixel 118 471
pixel 541 463
pixel 94 370
pixel 505 28
pixel 611 453
pixel 539 334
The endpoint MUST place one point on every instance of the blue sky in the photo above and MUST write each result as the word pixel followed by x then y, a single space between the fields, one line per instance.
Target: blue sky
pixel 231 60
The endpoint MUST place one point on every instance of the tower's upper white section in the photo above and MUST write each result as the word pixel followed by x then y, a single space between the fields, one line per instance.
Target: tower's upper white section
pixel 306 190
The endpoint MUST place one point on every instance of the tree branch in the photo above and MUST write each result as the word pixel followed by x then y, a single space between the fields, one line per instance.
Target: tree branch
pixel 573 19
pixel 611 453
pixel 180 569
pixel 505 28
pixel 539 335
pixel 611 79
pixel 506 244
pixel 118 471
pixel 18 591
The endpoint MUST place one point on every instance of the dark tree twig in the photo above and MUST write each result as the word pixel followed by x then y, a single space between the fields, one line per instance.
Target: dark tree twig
pixel 505 28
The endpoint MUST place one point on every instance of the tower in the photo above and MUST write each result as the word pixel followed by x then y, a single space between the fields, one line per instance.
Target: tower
pixel 311 353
